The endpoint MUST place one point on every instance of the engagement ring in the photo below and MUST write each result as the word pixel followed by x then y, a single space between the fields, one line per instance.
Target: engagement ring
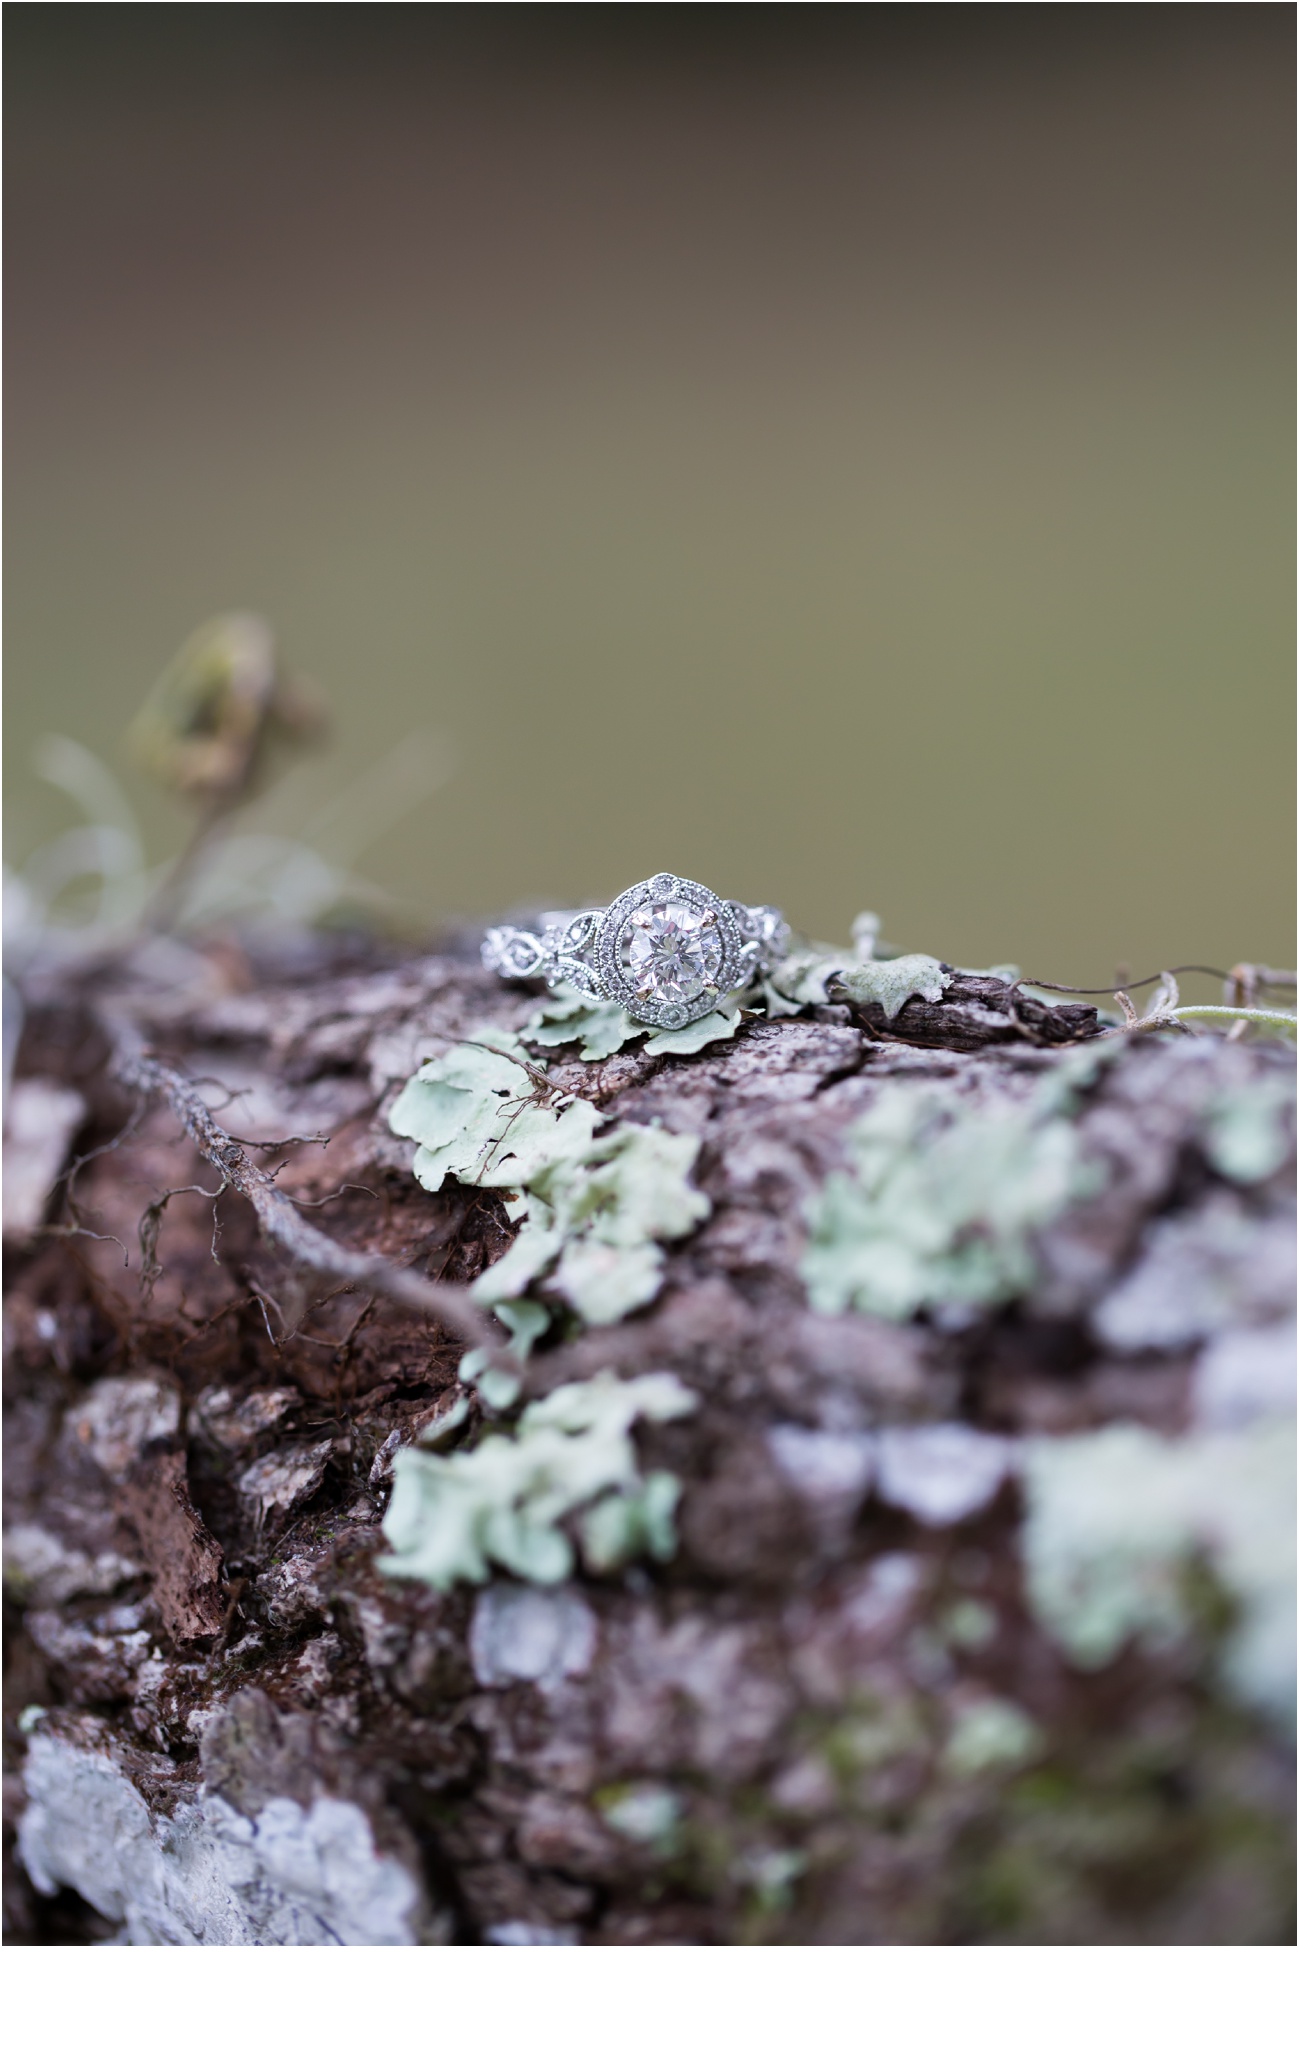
pixel 667 950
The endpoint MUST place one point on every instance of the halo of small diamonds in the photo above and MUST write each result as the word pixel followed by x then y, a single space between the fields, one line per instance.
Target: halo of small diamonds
pixel 667 950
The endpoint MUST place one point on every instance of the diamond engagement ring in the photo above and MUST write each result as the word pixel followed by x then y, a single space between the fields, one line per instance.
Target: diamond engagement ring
pixel 667 950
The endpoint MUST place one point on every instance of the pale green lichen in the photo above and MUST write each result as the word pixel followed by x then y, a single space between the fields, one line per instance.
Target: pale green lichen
pixel 482 1115
pixel 525 1321
pixel 445 1425
pixel 944 1198
pixel 648 1815
pixel 596 1224
pixel 497 1388
pixel 571 1018
pixel 770 1875
pixel 1062 1088
pixel 452 1519
pixel 624 1526
pixel 719 1025
pixel 629 1186
pixel 969 1624
pixel 1220 1013
pixel 990 1735
pixel 891 983
pixel 596 1209
pixel 1117 1521
pixel 801 980
pixel 1246 1134
pixel 879 1731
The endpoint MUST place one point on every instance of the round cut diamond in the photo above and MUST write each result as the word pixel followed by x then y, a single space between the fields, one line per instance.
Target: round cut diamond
pixel 671 950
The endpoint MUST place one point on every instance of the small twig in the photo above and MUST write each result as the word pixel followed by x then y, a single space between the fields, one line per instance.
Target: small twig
pixel 81 1230
pixel 1169 1016
pixel 1247 977
pixel 294 1138
pixel 1167 1011
pixel 151 1227
pixel 74 1166
pixel 1163 1013
pixel 1286 1020
pixel 1065 988
pixel 135 1068
pixel 68 1178
pixel 215 1081
pixel 266 1319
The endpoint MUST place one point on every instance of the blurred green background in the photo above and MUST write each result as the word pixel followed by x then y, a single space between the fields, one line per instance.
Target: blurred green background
pixel 845 454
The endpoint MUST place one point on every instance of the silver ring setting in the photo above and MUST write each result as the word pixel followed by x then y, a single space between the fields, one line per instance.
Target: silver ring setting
pixel 667 949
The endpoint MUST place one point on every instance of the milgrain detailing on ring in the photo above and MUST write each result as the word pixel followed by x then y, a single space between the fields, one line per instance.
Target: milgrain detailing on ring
pixel 668 950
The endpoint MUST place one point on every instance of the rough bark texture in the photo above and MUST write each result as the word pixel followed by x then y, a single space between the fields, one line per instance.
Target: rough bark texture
pixel 844 1712
pixel 976 1012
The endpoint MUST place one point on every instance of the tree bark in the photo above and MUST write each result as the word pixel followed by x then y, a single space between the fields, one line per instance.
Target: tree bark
pixel 850 1709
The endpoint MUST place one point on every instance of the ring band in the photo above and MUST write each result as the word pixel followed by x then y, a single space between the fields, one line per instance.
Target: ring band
pixel 668 950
